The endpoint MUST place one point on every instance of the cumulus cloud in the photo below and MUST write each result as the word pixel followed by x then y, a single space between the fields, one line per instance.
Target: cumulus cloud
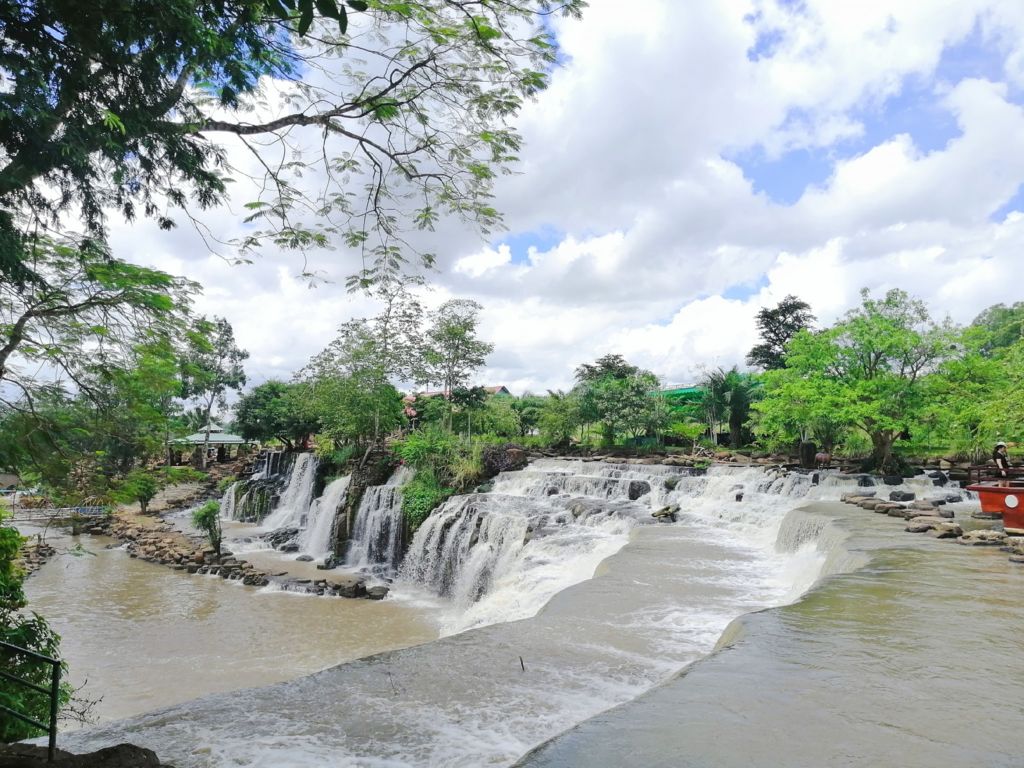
pixel 668 248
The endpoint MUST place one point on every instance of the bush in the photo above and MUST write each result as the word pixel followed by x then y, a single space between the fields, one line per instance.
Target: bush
pixel 429 448
pixel 207 519
pixel 421 496
pixel 28 631
pixel 226 483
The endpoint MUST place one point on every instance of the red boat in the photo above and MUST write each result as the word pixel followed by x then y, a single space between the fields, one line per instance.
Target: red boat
pixel 1005 499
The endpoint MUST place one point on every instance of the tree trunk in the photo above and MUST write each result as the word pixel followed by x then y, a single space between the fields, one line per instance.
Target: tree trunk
pixel 735 430
pixel 881 454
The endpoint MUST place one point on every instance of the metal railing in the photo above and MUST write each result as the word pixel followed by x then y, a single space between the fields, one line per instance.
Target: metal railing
pixel 26 514
pixel 976 473
pixel 53 692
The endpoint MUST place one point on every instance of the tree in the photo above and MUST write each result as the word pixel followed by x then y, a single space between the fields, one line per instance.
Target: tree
pixel 869 371
pixel 451 350
pixel 560 417
pixel 28 631
pixel 1003 326
pixel 211 367
pixel 113 106
pixel 728 396
pixel 777 327
pixel 528 410
pixel 621 397
pixel 207 519
pixel 84 306
pixel 278 410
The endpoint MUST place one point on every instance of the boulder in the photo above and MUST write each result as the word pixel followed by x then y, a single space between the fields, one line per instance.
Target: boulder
pixel 923 505
pixel 502 458
pixel 892 480
pixel 377 593
pixel 865 481
pixel 305 558
pixel 923 523
pixel 983 538
pixel 638 488
pixel 946 530
pixel 666 514
pixel 901 496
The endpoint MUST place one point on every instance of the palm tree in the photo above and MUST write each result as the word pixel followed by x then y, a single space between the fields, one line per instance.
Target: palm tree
pixel 728 396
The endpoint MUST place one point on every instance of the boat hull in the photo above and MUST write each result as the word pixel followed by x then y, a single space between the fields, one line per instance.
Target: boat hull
pixel 1003 499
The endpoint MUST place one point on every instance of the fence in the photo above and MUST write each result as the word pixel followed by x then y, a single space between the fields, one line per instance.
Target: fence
pixel 53 692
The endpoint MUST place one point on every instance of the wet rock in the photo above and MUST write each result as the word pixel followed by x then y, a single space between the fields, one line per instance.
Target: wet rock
pixel 983 538
pixel 892 480
pixel 865 481
pixel 638 488
pixel 953 498
pixel 901 496
pixel 923 505
pixel 577 508
pixel 377 592
pixel 305 558
pixel 671 483
pixel 946 530
pixel 330 563
pixel 666 514
pixel 923 523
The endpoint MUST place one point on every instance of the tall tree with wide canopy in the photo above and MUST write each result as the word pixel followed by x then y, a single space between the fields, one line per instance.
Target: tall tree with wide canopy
pixel 777 327
pixel 728 396
pixel 868 371
pixel 122 105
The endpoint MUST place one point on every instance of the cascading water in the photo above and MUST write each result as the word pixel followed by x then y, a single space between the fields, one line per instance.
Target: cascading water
pixel 293 506
pixel 525 674
pixel 315 538
pixel 227 502
pixel 377 533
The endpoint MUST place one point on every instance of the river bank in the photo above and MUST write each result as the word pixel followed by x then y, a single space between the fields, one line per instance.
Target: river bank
pixel 571 620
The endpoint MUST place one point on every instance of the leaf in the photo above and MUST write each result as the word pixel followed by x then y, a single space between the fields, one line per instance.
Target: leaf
pixel 358 5
pixel 306 19
pixel 329 10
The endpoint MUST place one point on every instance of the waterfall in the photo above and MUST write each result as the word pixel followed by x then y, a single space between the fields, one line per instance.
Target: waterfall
pixel 293 506
pixel 315 538
pixel 227 502
pixel 377 534
pixel 501 556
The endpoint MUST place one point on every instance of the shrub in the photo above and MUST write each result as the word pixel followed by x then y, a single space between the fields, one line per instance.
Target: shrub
pixel 207 519
pixel 226 483
pixel 421 496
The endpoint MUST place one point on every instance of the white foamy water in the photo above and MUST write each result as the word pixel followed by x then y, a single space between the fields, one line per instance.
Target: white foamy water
pixel 315 538
pixel 294 504
pixel 550 644
pixel 377 533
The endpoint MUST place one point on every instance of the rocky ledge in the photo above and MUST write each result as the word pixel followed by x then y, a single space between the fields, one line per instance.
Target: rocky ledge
pixel 32 556
pixel 927 516
pixel 156 541
pixel 120 756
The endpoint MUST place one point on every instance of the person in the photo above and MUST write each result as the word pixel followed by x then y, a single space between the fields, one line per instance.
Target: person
pixel 1001 459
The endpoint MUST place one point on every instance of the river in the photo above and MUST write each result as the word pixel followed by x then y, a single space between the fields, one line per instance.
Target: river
pixel 572 623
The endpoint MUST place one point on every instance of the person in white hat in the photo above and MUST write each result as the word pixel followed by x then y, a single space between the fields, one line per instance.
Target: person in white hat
pixel 1001 459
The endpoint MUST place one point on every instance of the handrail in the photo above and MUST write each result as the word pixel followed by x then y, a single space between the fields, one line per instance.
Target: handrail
pixel 989 472
pixel 53 692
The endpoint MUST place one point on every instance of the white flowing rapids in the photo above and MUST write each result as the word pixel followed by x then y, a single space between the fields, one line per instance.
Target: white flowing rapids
pixel 577 602
pixel 377 533
pixel 227 502
pixel 315 538
pixel 294 504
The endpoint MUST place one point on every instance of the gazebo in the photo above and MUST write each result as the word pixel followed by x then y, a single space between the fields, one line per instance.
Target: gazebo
pixel 222 445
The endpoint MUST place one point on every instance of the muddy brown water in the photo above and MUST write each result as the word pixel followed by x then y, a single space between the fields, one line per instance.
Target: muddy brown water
pixel 140 635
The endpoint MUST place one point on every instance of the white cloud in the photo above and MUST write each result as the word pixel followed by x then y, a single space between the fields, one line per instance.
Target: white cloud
pixel 631 153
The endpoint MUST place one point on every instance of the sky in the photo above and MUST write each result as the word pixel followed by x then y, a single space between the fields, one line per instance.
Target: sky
pixel 691 163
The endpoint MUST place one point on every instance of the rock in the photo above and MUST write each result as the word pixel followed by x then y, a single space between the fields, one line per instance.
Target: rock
pixel 1016 558
pixel 348 586
pixel 953 498
pixel 666 514
pixel 896 512
pixel 943 464
pixel 982 538
pixel 671 483
pixel 922 505
pixel 892 480
pixel 305 558
pixel 330 563
pixel 502 458
pixel 119 756
pixel 638 488
pixel 946 530
pixel 865 481
pixel 377 593
pixel 901 496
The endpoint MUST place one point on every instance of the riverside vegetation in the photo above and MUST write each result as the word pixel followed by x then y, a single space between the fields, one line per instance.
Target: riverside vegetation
pixel 127 364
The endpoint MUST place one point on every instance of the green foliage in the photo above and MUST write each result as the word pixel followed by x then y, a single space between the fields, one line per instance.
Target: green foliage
pixel 430 448
pixel 1001 326
pixel 421 496
pixel 560 417
pixel 28 631
pixel 207 519
pixel 777 327
pixel 141 486
pixel 104 114
pixel 874 370
pixel 728 397
pixel 276 410
pixel 619 397
pixel 226 482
